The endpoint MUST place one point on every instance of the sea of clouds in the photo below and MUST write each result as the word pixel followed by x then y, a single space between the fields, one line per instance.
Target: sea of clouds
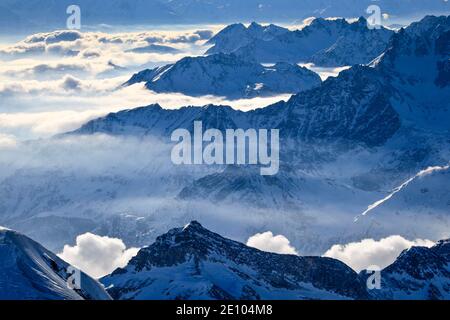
pixel 54 82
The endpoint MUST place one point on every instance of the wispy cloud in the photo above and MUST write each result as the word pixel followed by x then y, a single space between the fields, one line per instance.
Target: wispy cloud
pixel 34 109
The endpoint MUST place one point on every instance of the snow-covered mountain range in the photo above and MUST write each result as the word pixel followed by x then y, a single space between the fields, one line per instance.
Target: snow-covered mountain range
pixel 418 274
pixel 28 271
pixel 324 42
pixel 227 75
pixel 194 263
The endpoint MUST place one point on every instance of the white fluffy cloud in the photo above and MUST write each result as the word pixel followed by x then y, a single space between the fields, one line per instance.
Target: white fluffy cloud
pixel 98 256
pixel 369 252
pixel 268 242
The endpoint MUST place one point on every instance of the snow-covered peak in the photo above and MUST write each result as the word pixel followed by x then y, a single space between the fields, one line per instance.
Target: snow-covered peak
pixel 381 102
pixel 195 263
pixel 236 36
pixel 325 42
pixel 227 75
pixel 31 272
pixel 418 273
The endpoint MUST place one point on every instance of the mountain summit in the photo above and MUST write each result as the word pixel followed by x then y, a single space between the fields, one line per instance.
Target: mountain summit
pixel 227 75
pixel 236 36
pixel 418 273
pixel 195 263
pixel 325 42
pixel 31 272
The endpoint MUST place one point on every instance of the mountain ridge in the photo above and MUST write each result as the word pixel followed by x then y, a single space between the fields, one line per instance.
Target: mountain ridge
pixel 419 273
pixel 29 271
pixel 194 263
pixel 257 275
pixel 324 42
pixel 226 75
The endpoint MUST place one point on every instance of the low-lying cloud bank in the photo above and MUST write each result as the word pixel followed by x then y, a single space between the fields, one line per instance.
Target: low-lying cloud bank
pixel 54 82
pixel 73 43
pixel 98 256
pixel 369 252
pixel 33 109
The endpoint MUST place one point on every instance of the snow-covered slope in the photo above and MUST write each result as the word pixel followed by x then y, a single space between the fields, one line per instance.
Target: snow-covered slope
pixel 327 43
pixel 227 75
pixel 30 272
pixel 419 273
pixel 358 45
pixel 416 67
pixel 195 263
pixel 237 35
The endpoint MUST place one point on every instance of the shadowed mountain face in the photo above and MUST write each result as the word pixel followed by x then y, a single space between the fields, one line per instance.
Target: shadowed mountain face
pixel 195 263
pixel 28 271
pixel 418 273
